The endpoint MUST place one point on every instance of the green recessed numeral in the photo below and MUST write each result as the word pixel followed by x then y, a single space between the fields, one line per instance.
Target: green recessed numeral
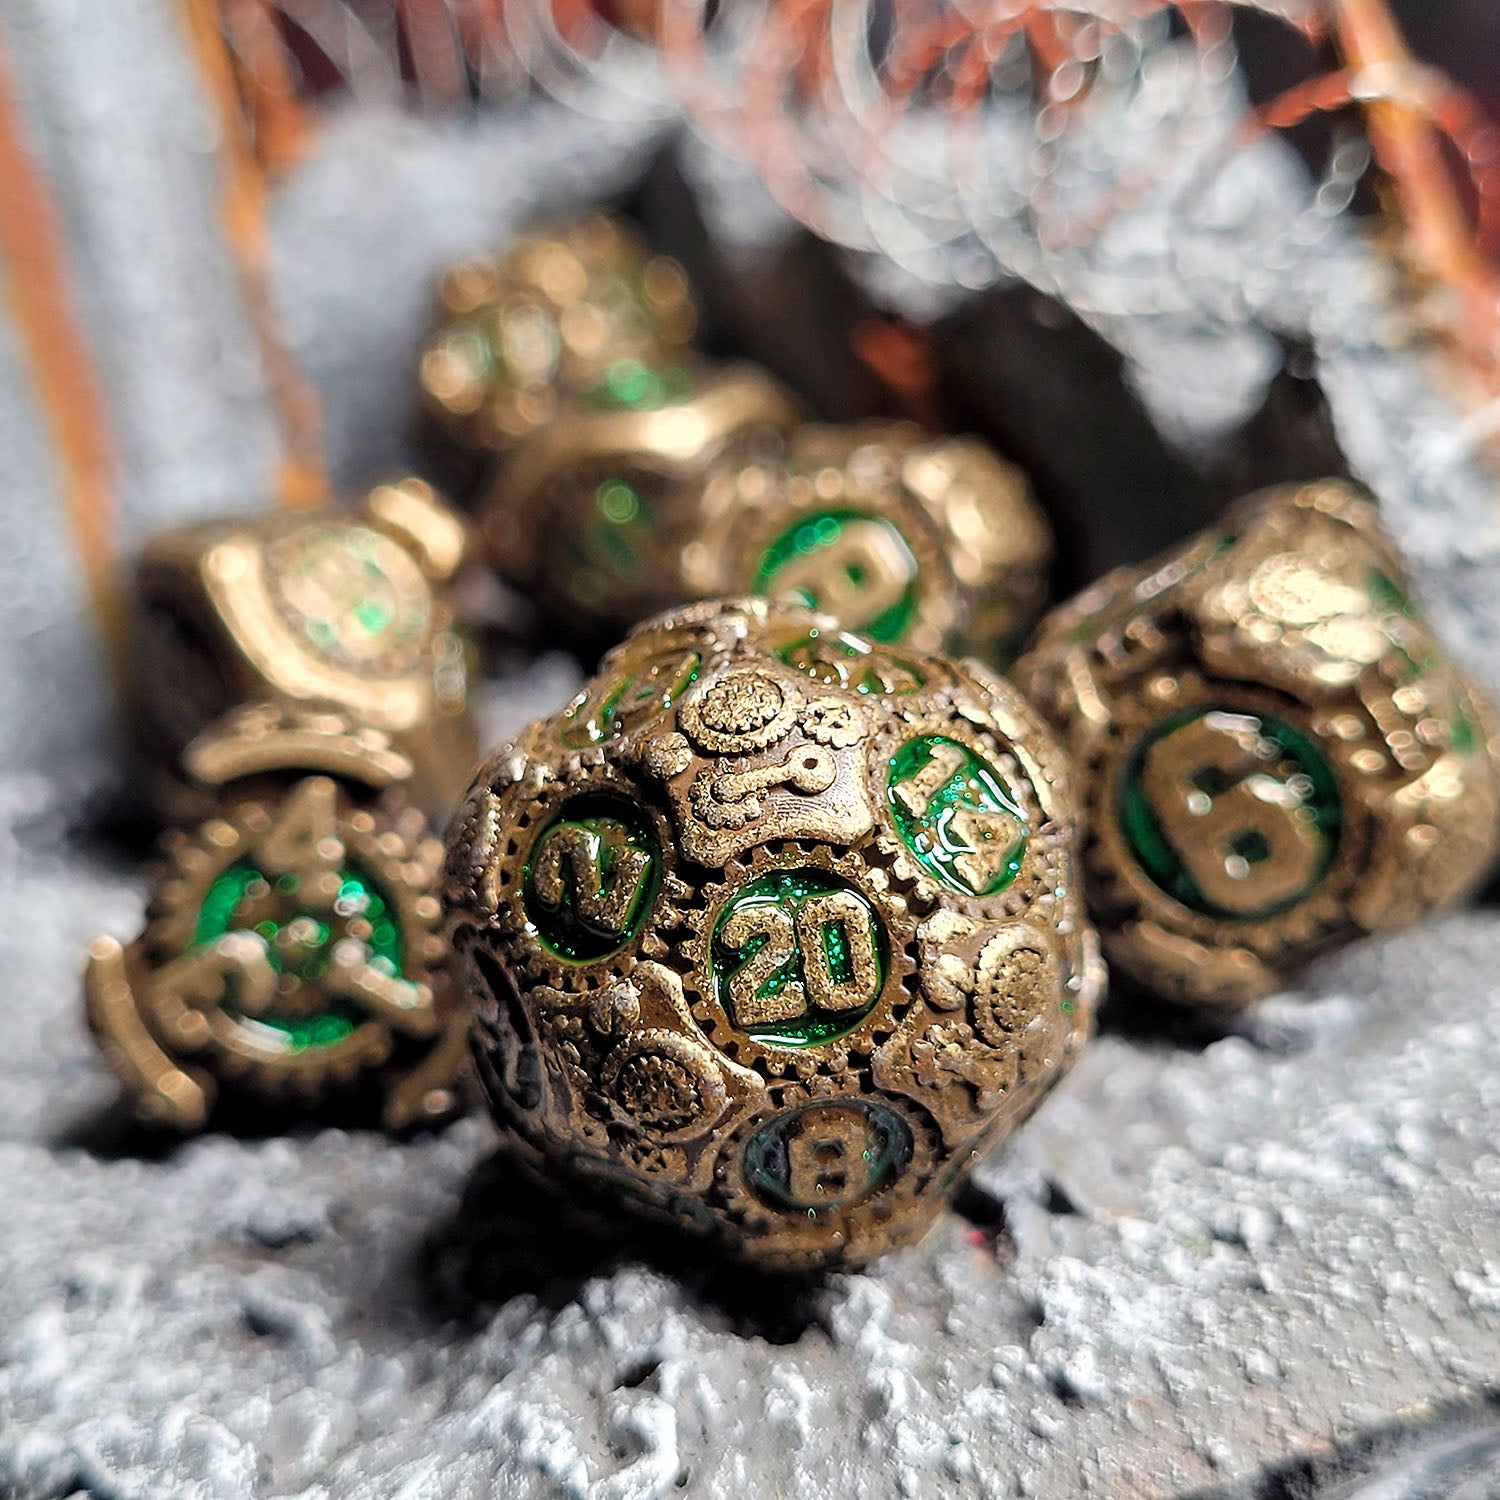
pixel 824 1157
pixel 799 958
pixel 1232 814
pixel 956 815
pixel 854 566
pixel 591 878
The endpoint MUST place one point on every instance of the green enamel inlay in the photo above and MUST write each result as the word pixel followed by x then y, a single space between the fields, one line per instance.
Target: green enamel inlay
pixel 623 700
pixel 242 890
pixel 616 544
pixel 826 1157
pixel 630 385
pixel 591 877
pixel 822 955
pixel 341 580
pixel 821 538
pixel 1273 814
pixel 844 660
pixel 956 814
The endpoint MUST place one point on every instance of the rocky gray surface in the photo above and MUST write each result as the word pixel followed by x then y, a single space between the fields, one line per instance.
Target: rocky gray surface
pixel 1214 1265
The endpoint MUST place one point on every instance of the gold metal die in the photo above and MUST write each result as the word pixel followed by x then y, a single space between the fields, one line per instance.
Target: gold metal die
pixel 927 543
pixel 1278 756
pixel 582 313
pixel 336 608
pixel 591 514
pixel 932 543
pixel 772 929
pixel 292 953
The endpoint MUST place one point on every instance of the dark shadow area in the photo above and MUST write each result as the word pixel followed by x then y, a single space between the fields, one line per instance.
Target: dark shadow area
pixel 1140 1016
pixel 792 308
pixel 513 1236
pixel 1454 1456
pixel 984 1212
pixel 115 1134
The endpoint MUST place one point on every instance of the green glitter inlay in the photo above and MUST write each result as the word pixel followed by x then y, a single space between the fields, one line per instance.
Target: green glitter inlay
pixel 646 692
pixel 630 385
pixel 243 885
pixel 821 533
pixel 956 815
pixel 775 901
pixel 826 1157
pixel 1287 756
pixel 850 661
pixel 591 878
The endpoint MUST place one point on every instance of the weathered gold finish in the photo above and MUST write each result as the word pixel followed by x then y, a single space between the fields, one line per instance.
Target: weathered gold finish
pixel 581 314
pixel 772 929
pixel 930 542
pixel 924 542
pixel 1278 756
pixel 337 608
pixel 292 953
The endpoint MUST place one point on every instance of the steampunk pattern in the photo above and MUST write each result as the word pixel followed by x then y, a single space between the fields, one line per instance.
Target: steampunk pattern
pixel 293 954
pixel 1278 756
pixel 932 543
pixel 771 929
pixel 578 314
pixel 333 608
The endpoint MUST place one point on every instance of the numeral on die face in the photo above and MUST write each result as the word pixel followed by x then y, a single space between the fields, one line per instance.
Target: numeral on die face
pixel 827 1156
pixel 856 567
pixel 591 878
pixel 1232 814
pixel 956 815
pixel 799 958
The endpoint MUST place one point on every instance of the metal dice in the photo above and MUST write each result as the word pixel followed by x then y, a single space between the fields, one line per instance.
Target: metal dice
pixel 582 312
pixel 292 955
pixel 629 474
pixel 772 929
pixel 1278 756
pixel 933 543
pixel 334 608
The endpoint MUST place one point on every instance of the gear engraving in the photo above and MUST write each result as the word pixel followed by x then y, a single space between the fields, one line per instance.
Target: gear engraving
pixel 775 959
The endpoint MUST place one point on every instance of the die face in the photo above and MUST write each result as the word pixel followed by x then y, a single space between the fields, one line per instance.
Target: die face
pixel 304 609
pixel 772 928
pixel 1279 755
pixel 581 314
pixel 292 951
pixel 593 513
pixel 926 544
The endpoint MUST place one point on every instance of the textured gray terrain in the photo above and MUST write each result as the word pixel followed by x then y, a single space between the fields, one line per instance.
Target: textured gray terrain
pixel 1237 1262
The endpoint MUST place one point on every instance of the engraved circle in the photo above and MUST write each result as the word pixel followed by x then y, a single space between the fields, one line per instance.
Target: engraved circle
pixel 1234 814
pixel 825 1157
pixel 666 1084
pixel 740 712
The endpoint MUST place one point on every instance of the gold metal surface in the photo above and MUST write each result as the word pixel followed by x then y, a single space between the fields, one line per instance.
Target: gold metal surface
pixel 582 313
pixel 771 929
pixel 931 543
pixel 1278 757
pixel 292 955
pixel 334 607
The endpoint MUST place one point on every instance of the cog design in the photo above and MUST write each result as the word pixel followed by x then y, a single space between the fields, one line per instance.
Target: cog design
pixel 726 948
pixel 288 948
pixel 740 711
pixel 821 1040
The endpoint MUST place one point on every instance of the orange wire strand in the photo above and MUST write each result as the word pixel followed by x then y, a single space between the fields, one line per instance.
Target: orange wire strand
pixel 303 480
pixel 67 380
